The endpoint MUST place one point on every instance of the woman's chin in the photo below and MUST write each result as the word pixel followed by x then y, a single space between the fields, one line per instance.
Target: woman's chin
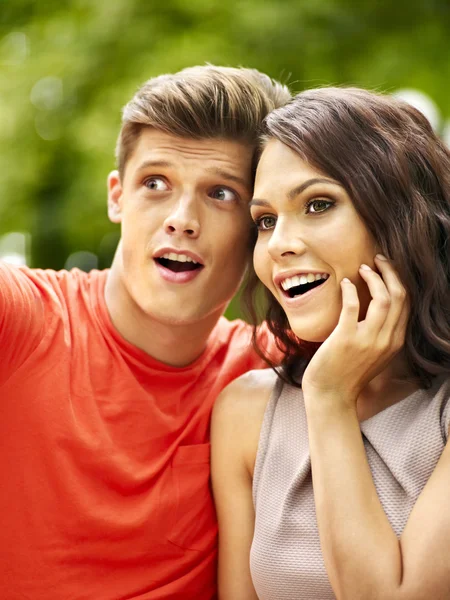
pixel 312 340
pixel 315 335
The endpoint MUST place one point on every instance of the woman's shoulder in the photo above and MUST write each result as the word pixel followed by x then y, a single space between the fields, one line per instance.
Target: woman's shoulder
pixel 239 412
pixel 248 394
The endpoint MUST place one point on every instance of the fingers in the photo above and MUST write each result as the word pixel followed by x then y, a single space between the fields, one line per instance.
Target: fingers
pixel 348 319
pixel 380 305
pixel 388 312
pixel 398 315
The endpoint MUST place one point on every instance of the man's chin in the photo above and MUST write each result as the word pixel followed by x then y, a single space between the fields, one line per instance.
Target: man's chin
pixel 177 321
pixel 182 318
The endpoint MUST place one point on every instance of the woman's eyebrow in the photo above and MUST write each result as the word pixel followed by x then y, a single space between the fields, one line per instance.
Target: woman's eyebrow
pixel 298 189
pixel 257 202
pixel 306 184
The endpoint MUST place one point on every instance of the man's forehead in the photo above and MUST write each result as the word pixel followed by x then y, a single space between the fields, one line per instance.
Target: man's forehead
pixel 219 157
pixel 158 143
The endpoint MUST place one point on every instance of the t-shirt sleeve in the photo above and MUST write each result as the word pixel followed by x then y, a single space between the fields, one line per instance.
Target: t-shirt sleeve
pixel 21 319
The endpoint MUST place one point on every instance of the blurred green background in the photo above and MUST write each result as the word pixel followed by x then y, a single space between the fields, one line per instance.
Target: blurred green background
pixel 67 68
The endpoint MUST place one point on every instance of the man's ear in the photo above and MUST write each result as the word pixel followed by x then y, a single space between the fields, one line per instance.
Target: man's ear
pixel 115 193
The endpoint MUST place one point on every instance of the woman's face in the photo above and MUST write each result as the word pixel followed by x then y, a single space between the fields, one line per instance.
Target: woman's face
pixel 309 238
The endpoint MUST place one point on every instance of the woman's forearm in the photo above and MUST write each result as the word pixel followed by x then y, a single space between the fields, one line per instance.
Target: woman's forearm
pixel 361 551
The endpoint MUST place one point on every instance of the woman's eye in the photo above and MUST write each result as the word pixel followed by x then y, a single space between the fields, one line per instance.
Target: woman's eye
pixel 318 206
pixel 156 184
pixel 224 194
pixel 265 223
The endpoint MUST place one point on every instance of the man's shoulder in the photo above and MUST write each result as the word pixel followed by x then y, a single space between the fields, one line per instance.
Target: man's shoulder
pixel 52 276
pixel 240 329
pixel 49 293
pixel 239 334
pixel 74 277
pixel 53 284
pixel 228 328
pixel 246 348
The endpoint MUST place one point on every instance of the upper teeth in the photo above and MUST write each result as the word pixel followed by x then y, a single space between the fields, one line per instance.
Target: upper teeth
pixel 179 257
pixel 291 282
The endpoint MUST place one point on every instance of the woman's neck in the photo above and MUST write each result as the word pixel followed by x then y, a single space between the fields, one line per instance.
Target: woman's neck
pixel 390 386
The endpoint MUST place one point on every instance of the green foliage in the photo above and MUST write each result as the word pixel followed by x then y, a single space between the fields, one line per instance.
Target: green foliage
pixel 67 67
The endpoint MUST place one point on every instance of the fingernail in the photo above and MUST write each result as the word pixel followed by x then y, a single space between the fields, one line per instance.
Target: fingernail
pixel 381 257
pixel 365 267
pixel 346 280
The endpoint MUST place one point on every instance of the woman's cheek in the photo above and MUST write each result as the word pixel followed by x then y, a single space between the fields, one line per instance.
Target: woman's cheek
pixel 260 263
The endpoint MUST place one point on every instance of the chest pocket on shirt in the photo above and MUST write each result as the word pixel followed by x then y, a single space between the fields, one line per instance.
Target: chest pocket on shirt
pixel 193 522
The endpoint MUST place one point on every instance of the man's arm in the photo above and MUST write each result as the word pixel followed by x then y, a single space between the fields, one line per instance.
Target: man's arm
pixel 21 319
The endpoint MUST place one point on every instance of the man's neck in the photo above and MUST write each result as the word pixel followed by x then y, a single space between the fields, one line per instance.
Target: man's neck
pixel 172 343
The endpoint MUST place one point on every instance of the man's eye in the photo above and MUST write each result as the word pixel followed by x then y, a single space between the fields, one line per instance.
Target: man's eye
pixel 318 206
pixel 156 183
pixel 224 194
pixel 265 223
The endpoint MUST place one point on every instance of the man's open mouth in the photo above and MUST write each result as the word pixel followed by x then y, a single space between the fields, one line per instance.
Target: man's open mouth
pixel 178 263
pixel 300 284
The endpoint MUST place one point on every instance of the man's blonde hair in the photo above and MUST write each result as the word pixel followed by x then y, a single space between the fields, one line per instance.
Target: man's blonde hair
pixel 201 102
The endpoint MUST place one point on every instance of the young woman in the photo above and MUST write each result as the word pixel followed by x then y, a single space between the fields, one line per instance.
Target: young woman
pixel 332 477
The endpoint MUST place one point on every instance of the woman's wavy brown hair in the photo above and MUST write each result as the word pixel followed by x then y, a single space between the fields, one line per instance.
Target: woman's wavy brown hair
pixel 397 173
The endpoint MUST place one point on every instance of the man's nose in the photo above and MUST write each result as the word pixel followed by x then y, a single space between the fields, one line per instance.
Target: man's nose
pixel 183 218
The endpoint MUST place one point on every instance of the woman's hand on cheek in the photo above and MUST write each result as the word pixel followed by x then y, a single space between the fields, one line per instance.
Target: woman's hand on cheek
pixel 357 351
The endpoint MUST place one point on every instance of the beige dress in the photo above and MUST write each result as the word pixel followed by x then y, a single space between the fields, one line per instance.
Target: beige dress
pixel 403 444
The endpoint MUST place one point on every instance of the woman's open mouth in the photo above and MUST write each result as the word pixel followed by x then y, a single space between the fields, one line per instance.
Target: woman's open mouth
pixel 302 283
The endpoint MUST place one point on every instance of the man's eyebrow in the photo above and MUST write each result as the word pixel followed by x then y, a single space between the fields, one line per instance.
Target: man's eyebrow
pixel 154 163
pixel 297 190
pixel 227 175
pixel 213 170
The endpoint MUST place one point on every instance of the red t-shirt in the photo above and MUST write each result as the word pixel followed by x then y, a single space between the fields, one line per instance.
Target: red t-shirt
pixel 104 451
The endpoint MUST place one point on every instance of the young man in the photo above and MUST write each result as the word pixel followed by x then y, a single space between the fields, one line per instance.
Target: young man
pixel 107 379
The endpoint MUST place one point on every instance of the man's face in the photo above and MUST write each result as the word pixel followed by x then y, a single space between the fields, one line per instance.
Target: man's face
pixel 183 209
